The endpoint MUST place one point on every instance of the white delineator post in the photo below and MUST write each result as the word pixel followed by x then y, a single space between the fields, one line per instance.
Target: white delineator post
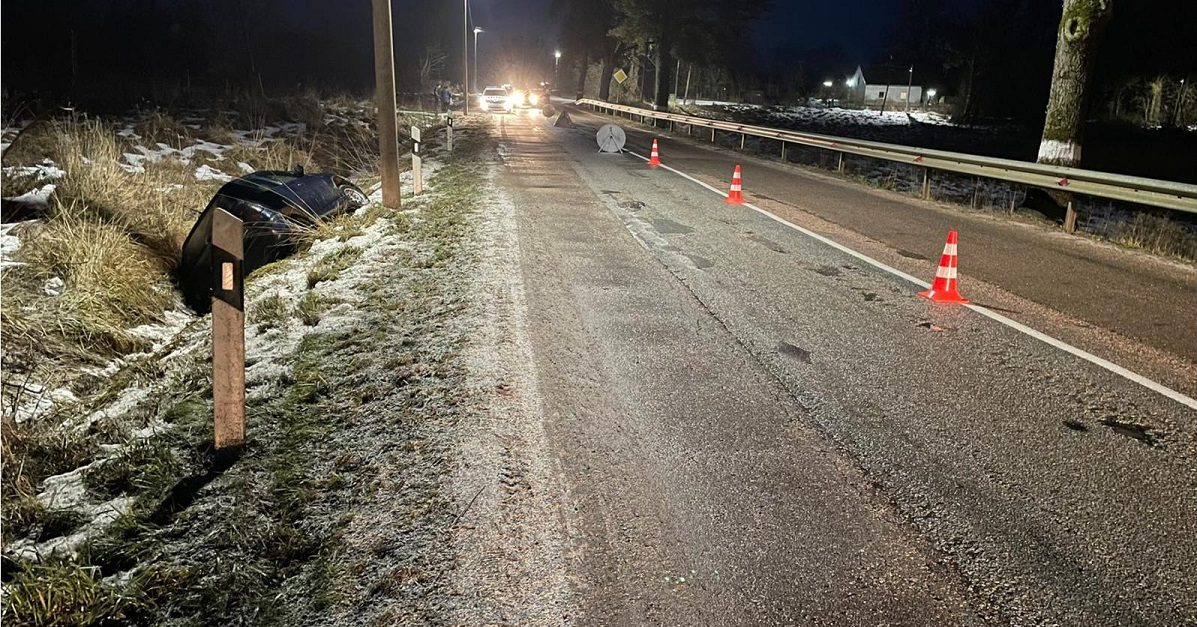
pixel 417 176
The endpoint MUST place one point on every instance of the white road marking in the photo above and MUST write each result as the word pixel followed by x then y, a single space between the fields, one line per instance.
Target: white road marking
pixel 1154 386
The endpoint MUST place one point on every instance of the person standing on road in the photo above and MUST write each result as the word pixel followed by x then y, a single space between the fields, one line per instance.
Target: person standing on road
pixel 446 98
pixel 436 97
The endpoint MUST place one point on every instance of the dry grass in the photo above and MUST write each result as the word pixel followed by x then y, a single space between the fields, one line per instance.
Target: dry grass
pixel 1159 235
pixel 158 127
pixel 269 154
pixel 111 284
pixel 33 144
pixel 157 208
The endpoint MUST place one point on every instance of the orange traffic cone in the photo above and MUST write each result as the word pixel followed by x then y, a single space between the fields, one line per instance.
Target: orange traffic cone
pixel 943 288
pixel 736 195
pixel 654 158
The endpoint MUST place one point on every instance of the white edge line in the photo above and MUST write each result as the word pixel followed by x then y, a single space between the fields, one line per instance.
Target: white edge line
pixel 1154 386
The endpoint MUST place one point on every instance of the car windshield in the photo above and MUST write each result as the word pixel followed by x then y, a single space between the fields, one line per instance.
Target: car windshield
pixel 494 92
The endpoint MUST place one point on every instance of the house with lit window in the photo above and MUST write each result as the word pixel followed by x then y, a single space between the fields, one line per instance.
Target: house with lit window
pixel 860 90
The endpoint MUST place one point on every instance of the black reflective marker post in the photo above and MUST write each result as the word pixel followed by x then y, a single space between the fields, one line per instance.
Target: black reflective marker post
pixel 228 331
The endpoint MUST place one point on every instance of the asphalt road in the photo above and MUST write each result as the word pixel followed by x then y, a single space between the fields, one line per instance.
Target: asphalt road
pixel 1148 300
pixel 756 428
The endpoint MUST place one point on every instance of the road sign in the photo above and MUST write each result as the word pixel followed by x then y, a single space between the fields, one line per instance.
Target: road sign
pixel 610 138
pixel 415 134
pixel 620 76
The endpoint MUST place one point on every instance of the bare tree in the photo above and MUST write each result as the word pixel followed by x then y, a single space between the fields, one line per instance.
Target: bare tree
pixel 1080 30
pixel 432 63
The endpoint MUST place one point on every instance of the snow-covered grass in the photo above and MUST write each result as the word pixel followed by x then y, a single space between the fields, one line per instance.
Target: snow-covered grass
pixel 351 382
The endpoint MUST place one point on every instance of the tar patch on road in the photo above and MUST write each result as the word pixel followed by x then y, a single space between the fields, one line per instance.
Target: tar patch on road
pixel 702 263
pixel 785 349
pixel 909 255
pixel 1133 431
pixel 665 226
pixel 766 242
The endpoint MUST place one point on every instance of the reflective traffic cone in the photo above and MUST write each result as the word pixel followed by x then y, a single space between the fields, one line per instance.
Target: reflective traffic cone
pixel 736 195
pixel 943 288
pixel 654 158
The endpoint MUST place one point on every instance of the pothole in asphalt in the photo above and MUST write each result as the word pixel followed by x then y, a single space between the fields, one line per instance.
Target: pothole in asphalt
pixel 828 271
pixel 909 255
pixel 669 227
pixel 870 296
pixel 1132 430
pixel 927 324
pixel 785 349
pixel 634 205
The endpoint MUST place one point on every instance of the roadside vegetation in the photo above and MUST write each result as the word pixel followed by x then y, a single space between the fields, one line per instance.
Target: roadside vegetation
pixel 115 509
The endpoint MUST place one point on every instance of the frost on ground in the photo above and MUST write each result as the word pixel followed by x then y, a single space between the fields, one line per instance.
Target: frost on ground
pixel 339 509
pixel 512 543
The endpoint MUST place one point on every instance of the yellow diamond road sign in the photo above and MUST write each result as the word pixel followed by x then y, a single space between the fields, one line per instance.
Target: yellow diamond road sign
pixel 620 76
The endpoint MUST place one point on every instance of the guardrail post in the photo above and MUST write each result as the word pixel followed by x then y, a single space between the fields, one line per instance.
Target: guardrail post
pixel 712 135
pixel 926 183
pixel 839 166
pixel 783 151
pixel 1070 216
pixel 228 332
pixel 742 138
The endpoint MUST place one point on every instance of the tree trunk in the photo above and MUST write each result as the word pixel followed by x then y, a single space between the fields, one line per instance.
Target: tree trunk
pixel 582 69
pixel 1076 47
pixel 608 70
pixel 664 73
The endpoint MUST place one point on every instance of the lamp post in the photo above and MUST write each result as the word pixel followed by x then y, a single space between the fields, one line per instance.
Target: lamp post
pixel 909 86
pixel 556 66
pixel 930 95
pixel 826 90
pixel 476 31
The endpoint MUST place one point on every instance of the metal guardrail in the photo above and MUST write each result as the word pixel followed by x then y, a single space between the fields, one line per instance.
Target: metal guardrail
pixel 1134 189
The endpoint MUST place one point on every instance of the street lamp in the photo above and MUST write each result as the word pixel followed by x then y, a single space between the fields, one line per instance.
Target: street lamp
pixel 827 83
pixel 476 31
pixel 930 95
pixel 909 86
pixel 556 66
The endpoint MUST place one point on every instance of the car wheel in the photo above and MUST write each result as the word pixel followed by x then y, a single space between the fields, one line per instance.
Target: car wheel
pixel 355 196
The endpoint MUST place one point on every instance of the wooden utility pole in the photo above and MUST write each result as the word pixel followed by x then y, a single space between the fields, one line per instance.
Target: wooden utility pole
pixel 228 331
pixel 465 56
pixel 384 87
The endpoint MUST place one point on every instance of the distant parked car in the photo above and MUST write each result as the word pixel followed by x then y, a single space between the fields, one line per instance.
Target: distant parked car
pixel 496 99
pixel 275 207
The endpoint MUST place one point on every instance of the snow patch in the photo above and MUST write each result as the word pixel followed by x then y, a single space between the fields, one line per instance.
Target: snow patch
pixel 10 243
pixel 53 286
pixel 208 173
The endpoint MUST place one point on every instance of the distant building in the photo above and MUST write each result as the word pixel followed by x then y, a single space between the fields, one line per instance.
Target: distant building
pixel 861 91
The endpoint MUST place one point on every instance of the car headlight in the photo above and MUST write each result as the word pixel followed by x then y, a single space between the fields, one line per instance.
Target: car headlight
pixel 517 97
pixel 534 99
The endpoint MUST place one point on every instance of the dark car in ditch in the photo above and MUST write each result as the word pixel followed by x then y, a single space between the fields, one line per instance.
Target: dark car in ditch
pixel 275 208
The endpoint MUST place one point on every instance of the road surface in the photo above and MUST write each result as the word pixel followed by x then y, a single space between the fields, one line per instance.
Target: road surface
pixel 752 427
